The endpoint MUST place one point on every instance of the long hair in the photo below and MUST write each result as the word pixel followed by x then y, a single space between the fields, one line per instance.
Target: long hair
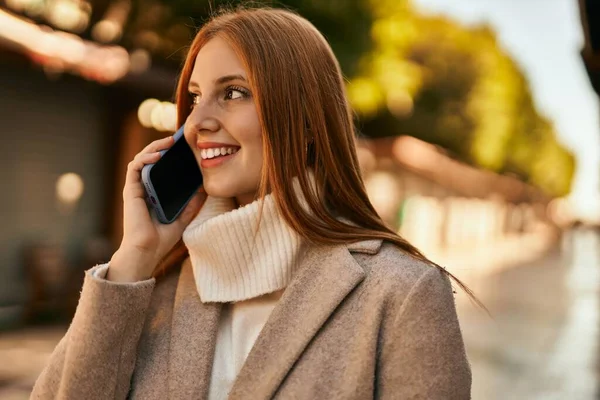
pixel 306 122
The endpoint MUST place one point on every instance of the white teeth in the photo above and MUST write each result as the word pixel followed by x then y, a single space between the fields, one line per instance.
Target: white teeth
pixel 206 154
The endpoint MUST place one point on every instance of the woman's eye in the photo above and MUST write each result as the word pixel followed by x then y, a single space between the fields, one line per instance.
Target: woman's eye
pixel 235 93
pixel 195 98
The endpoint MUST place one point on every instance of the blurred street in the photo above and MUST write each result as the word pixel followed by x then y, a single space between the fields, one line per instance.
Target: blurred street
pixel 543 340
pixel 541 343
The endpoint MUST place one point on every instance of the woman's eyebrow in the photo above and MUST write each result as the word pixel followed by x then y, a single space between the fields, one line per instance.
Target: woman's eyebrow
pixel 228 78
pixel 221 80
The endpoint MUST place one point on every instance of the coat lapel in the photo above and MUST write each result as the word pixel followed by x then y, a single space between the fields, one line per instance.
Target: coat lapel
pixel 193 339
pixel 323 279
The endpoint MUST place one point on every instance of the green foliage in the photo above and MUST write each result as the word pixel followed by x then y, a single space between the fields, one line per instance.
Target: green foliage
pixel 455 87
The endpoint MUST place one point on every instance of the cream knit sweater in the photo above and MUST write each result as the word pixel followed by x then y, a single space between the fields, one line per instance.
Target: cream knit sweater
pixel 228 265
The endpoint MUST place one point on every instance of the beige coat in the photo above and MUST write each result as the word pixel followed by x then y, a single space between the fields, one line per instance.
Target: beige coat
pixel 360 321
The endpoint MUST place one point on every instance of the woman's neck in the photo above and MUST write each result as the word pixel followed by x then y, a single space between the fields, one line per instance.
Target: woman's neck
pixel 244 199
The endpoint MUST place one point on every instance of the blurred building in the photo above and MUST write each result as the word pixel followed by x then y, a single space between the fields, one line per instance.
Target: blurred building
pixel 440 204
pixel 69 126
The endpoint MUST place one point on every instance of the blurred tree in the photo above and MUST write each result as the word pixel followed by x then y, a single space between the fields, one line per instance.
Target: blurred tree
pixel 455 87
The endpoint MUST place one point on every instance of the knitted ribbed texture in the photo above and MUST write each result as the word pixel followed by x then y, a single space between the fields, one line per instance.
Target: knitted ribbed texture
pixel 228 266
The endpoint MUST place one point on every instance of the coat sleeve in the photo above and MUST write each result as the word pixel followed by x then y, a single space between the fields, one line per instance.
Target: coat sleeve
pixel 96 357
pixel 422 354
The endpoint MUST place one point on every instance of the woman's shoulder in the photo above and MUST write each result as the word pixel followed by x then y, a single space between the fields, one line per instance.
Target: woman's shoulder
pixel 387 266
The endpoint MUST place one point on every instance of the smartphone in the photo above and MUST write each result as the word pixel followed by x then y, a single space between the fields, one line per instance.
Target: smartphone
pixel 173 180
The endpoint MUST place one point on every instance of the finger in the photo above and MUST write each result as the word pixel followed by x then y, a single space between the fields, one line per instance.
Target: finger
pixel 143 157
pixel 158 145
pixel 133 175
pixel 137 164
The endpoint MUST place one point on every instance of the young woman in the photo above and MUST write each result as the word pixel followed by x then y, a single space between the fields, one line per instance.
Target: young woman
pixel 279 280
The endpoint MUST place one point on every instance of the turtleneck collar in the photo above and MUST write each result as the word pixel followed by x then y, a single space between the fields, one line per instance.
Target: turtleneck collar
pixel 228 265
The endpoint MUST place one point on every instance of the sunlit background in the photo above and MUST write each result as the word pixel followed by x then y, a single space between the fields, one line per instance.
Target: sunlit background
pixel 479 143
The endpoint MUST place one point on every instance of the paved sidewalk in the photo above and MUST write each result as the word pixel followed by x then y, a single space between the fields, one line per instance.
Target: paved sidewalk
pixel 23 355
pixel 542 343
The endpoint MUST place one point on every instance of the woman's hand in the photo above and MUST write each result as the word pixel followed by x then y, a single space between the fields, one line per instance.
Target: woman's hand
pixel 146 240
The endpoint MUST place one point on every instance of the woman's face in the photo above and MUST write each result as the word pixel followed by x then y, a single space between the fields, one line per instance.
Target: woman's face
pixel 223 127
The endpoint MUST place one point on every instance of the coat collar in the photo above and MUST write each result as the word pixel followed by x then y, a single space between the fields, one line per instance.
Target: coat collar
pixel 325 276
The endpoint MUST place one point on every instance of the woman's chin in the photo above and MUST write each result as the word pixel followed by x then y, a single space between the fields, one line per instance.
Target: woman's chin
pixel 217 193
pixel 218 190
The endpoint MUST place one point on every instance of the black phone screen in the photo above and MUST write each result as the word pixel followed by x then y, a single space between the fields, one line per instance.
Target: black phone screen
pixel 176 177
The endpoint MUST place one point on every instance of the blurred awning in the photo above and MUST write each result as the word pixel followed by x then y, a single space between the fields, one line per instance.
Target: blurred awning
pixel 590 19
pixel 59 51
pixel 434 164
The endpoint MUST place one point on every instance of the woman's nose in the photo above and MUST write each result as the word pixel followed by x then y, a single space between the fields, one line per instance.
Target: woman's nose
pixel 203 118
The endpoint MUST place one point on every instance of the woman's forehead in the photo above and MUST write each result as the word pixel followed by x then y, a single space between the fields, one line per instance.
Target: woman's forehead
pixel 215 60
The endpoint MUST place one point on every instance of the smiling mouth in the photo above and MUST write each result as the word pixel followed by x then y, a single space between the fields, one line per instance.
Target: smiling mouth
pixel 209 154
pixel 216 160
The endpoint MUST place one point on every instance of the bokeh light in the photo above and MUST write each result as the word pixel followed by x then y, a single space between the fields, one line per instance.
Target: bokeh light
pixel 69 188
pixel 161 116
